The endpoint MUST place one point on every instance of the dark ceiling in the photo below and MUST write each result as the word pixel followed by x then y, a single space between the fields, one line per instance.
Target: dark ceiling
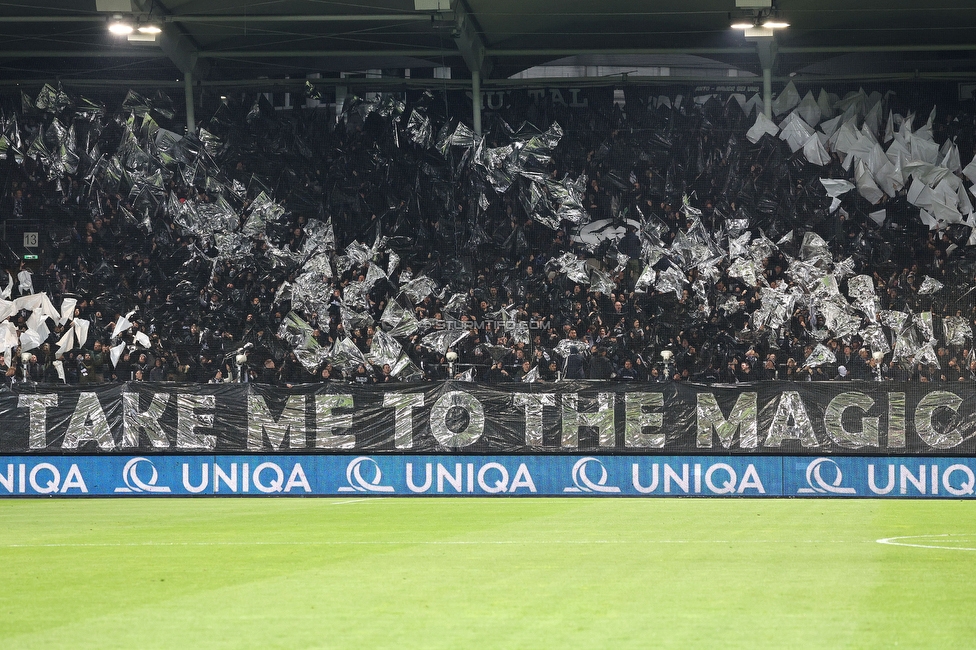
pixel 235 42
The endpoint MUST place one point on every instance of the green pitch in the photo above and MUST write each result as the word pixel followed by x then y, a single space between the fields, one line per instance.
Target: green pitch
pixel 486 573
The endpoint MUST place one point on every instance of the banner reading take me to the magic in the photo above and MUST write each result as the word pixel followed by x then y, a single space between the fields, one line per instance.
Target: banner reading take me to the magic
pixel 458 417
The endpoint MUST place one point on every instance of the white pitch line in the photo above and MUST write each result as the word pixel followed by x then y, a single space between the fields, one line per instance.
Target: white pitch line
pixel 342 503
pixel 432 543
pixel 895 541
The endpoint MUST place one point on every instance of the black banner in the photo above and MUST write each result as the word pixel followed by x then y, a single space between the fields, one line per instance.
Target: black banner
pixel 457 417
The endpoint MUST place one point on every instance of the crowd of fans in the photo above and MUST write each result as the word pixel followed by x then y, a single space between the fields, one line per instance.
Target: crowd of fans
pixel 133 232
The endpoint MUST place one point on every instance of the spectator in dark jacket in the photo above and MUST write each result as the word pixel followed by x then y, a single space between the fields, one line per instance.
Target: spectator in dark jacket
pixel 600 366
pixel 627 373
pixel 268 374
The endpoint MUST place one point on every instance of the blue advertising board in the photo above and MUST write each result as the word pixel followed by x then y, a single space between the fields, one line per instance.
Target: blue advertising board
pixel 447 475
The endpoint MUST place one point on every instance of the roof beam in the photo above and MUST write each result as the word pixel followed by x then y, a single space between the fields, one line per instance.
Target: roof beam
pixel 177 44
pixel 840 49
pixel 254 54
pixel 235 18
pixel 391 83
pixel 83 54
pixel 142 53
pixel 298 18
pixel 468 39
pixel 181 51
pixel 745 50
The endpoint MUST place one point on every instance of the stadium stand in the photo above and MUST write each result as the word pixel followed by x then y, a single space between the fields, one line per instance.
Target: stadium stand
pixel 398 245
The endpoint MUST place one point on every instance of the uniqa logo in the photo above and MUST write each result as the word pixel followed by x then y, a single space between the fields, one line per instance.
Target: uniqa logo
pixel 130 474
pixel 583 482
pixel 817 483
pixel 358 483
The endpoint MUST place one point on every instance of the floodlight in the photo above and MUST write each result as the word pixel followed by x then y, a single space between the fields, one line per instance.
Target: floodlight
pixel 119 27
pixel 756 18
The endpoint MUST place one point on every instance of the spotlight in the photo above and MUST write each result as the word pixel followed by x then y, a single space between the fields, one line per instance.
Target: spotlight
pixel 149 29
pixel 756 14
pixel 119 27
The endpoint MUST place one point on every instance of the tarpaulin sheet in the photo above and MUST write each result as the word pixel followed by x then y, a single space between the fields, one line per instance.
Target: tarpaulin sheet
pixel 763 418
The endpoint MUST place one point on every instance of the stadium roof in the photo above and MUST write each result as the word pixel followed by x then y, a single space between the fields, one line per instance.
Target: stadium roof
pixel 244 42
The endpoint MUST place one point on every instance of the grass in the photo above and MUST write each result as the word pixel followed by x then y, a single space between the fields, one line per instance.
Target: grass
pixel 486 573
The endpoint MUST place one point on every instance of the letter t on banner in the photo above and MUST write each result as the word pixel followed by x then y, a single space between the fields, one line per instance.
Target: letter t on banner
pixel 403 416
pixel 38 405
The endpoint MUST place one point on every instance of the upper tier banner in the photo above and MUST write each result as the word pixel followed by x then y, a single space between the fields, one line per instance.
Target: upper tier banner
pixel 457 417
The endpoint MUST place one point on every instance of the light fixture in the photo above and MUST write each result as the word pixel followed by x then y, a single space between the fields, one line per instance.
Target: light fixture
pixel 145 33
pixel 773 20
pixel 749 17
pixel 120 29
pixel 766 23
